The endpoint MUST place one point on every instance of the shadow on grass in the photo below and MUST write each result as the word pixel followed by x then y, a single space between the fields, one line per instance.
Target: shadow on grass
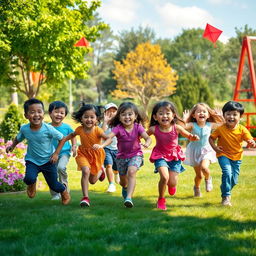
pixel 40 226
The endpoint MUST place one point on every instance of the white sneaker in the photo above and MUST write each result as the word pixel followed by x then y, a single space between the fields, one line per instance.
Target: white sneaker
pixel 208 185
pixel 111 188
pixel 117 178
pixel 56 197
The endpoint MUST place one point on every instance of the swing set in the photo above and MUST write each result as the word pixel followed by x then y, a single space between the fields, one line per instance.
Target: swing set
pixel 246 50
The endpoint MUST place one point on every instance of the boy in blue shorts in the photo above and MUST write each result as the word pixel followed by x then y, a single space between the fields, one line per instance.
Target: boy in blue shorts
pixel 58 110
pixel 40 156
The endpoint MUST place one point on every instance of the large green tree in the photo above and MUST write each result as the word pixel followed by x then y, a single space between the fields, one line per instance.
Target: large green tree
pixel 39 36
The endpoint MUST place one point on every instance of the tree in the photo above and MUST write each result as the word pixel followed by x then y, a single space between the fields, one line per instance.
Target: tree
pixel 144 75
pixel 39 36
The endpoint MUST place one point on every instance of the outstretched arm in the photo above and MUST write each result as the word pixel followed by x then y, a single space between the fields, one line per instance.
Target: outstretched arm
pixel 107 138
pixel 186 134
pixel 217 149
pixel 11 147
pixel 147 139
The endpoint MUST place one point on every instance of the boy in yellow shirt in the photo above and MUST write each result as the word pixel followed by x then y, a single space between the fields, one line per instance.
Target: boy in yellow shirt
pixel 229 149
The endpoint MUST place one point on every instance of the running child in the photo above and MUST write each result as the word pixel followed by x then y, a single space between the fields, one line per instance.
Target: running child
pixel 167 154
pixel 41 155
pixel 229 149
pixel 200 120
pixel 127 127
pixel 58 110
pixel 90 154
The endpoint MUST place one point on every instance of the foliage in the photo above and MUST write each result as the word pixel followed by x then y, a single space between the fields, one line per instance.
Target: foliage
pixel 39 36
pixel 191 89
pixel 12 167
pixel 144 75
pixel 11 123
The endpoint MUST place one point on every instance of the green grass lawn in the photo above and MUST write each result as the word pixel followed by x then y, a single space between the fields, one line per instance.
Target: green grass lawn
pixel 190 226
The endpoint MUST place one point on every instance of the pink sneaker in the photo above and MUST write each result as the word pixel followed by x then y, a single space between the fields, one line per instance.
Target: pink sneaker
pixel 161 204
pixel 172 190
pixel 85 202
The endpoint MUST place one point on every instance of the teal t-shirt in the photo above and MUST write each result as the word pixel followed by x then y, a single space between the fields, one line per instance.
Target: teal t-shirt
pixel 65 129
pixel 40 142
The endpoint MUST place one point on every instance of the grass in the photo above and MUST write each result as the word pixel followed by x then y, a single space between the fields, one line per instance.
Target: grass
pixel 190 226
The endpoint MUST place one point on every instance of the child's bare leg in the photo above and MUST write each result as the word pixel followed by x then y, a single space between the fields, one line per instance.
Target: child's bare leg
pixel 93 178
pixel 164 178
pixel 198 177
pixel 85 180
pixel 110 174
pixel 173 179
pixel 205 168
pixel 131 173
pixel 123 181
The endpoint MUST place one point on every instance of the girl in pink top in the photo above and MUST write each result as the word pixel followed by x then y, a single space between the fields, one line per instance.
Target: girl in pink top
pixel 167 154
pixel 128 131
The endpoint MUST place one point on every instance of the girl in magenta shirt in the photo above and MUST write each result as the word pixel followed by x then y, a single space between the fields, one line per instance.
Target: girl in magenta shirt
pixel 167 154
pixel 128 130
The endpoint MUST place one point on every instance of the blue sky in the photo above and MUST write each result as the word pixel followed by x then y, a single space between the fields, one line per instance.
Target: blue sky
pixel 168 17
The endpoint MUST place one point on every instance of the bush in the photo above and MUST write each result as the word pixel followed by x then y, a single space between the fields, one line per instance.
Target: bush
pixel 11 123
pixel 12 167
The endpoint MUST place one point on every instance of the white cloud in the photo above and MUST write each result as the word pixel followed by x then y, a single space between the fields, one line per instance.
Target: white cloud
pixel 176 17
pixel 122 11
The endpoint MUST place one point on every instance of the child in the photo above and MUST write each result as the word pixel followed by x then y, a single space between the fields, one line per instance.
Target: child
pixel 110 150
pixel 199 154
pixel 40 156
pixel 90 154
pixel 128 130
pixel 229 147
pixel 58 110
pixel 167 154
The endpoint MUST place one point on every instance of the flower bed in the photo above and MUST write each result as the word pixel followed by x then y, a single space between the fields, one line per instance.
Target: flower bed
pixel 12 167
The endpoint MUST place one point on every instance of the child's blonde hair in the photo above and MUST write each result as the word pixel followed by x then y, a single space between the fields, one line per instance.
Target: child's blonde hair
pixel 214 117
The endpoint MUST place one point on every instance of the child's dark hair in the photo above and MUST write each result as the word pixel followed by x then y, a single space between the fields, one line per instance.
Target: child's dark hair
pixel 56 105
pixel 30 102
pixel 124 106
pixel 233 106
pixel 77 116
pixel 165 104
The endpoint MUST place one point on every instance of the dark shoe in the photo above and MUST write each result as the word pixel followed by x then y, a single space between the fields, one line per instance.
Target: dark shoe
pixel 102 176
pixel 31 190
pixel 65 197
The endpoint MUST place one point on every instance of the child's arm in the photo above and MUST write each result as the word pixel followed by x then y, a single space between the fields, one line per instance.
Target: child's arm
pixel 217 149
pixel 188 126
pixel 73 143
pixel 186 134
pixel 147 139
pixel 11 147
pixel 55 155
pixel 106 120
pixel 151 130
pixel 251 143
pixel 107 138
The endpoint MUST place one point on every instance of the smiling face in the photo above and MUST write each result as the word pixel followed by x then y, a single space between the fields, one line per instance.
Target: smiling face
pixel 35 115
pixel 89 119
pixel 232 118
pixel 57 115
pixel 164 116
pixel 127 118
pixel 201 114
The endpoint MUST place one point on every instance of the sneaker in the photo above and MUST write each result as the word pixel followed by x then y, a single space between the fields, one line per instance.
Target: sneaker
pixel 111 188
pixel 85 202
pixel 197 192
pixel 31 190
pixel 208 185
pixel 226 201
pixel 65 197
pixel 128 203
pixel 161 204
pixel 172 190
pixel 117 178
pixel 102 176
pixel 56 197
pixel 124 192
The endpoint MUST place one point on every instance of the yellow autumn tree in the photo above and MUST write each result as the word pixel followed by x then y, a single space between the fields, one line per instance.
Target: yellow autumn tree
pixel 144 75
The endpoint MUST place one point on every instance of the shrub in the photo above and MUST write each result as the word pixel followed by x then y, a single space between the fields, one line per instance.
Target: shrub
pixel 12 167
pixel 11 123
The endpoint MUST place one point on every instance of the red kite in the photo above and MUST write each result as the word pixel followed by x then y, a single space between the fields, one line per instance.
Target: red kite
pixel 211 33
pixel 82 42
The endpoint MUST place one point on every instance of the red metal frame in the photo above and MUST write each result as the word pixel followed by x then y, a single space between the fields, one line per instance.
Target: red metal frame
pixel 246 49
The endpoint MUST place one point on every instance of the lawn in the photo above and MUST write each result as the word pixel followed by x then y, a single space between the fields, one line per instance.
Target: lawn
pixel 190 226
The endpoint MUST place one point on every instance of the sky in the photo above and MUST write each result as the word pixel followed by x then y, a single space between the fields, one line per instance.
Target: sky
pixel 169 17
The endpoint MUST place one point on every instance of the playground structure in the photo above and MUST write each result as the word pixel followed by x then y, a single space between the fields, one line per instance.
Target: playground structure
pixel 246 50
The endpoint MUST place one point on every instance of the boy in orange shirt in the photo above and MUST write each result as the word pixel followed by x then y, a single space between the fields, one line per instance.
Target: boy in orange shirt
pixel 229 149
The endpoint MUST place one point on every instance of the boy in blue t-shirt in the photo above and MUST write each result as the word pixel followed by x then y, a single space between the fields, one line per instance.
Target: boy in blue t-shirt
pixel 58 110
pixel 40 156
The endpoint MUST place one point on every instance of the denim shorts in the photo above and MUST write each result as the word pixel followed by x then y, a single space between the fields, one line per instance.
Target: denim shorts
pixel 124 163
pixel 174 166
pixel 110 158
